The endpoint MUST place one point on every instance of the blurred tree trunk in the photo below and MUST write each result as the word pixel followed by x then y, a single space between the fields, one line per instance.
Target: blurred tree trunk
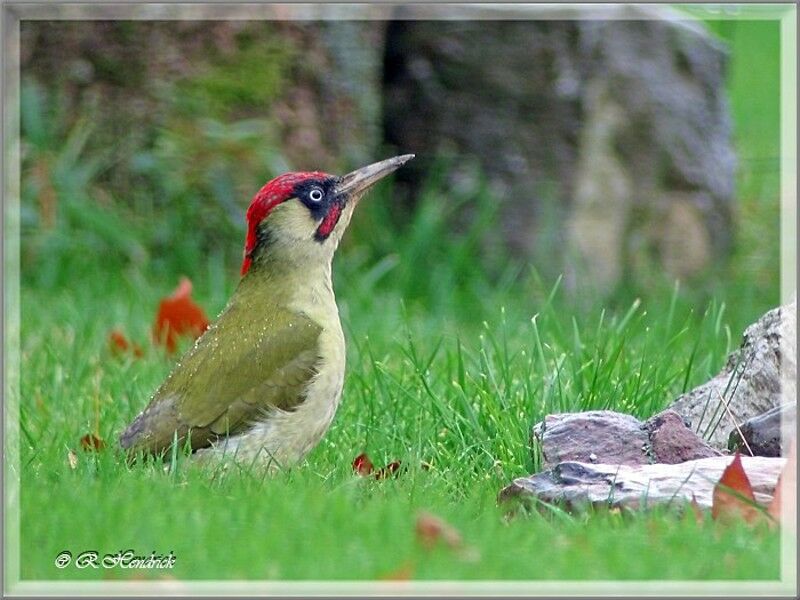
pixel 608 143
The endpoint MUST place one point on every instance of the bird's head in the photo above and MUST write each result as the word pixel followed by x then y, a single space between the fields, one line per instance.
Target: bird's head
pixel 305 214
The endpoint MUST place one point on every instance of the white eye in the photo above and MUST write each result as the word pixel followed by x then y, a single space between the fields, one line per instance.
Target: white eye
pixel 316 195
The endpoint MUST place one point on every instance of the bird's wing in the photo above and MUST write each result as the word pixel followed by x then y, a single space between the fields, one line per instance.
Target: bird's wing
pixel 236 373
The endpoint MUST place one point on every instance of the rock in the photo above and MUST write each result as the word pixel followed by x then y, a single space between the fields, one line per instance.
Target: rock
pixel 672 442
pixel 762 434
pixel 758 377
pixel 322 97
pixel 607 138
pixel 334 107
pixel 208 108
pixel 604 436
pixel 578 485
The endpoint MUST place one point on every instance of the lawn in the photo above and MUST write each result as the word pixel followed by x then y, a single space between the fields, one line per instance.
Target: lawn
pixel 449 366
pixel 451 392
pixel 459 397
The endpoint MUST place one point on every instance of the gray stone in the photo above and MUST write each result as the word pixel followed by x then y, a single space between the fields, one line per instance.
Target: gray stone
pixel 672 442
pixel 610 139
pixel 758 377
pixel 604 436
pixel 601 436
pixel 578 485
pixel 761 435
pixel 323 113
pixel 604 131
pixel 336 105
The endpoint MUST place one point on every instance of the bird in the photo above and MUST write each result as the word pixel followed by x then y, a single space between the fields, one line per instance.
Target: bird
pixel 262 384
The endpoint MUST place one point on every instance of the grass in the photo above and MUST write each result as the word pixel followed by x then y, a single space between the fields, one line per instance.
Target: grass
pixel 447 367
pixel 333 526
pixel 462 405
pixel 424 385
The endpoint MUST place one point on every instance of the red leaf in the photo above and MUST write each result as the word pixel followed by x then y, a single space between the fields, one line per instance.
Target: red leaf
pixel 697 512
pixel 119 344
pixel 733 496
pixel 92 442
pixel 391 468
pixel 787 484
pixel 432 529
pixel 403 573
pixel 179 315
pixel 363 465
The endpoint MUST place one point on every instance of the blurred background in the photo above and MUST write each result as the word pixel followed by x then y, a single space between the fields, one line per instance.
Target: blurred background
pixel 590 222
pixel 619 156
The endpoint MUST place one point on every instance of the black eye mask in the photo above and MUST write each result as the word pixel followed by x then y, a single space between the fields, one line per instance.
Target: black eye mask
pixel 328 209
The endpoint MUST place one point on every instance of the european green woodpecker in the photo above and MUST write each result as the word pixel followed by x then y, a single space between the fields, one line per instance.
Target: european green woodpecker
pixel 263 383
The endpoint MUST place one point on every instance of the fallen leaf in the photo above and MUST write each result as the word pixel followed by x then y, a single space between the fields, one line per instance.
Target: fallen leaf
pixel 72 459
pixel 179 315
pixel 787 484
pixel 774 508
pixel 48 200
pixel 119 344
pixel 390 469
pixel 402 573
pixel 431 529
pixel 92 442
pixel 696 510
pixel 733 495
pixel 363 465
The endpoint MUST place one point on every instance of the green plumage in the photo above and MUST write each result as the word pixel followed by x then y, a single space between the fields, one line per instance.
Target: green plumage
pixel 258 356
pixel 266 378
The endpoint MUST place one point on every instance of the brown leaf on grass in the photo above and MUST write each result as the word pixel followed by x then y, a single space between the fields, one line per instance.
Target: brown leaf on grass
pixel 48 200
pixel 697 512
pixel 402 573
pixel 72 460
pixel 119 344
pixel 431 530
pixel 787 484
pixel 92 442
pixel 390 469
pixel 363 465
pixel 178 315
pixel 733 496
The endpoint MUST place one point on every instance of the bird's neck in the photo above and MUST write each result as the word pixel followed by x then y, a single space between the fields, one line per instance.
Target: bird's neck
pixel 298 280
pixel 285 247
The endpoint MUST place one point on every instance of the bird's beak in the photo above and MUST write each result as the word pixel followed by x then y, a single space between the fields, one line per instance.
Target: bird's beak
pixel 357 182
